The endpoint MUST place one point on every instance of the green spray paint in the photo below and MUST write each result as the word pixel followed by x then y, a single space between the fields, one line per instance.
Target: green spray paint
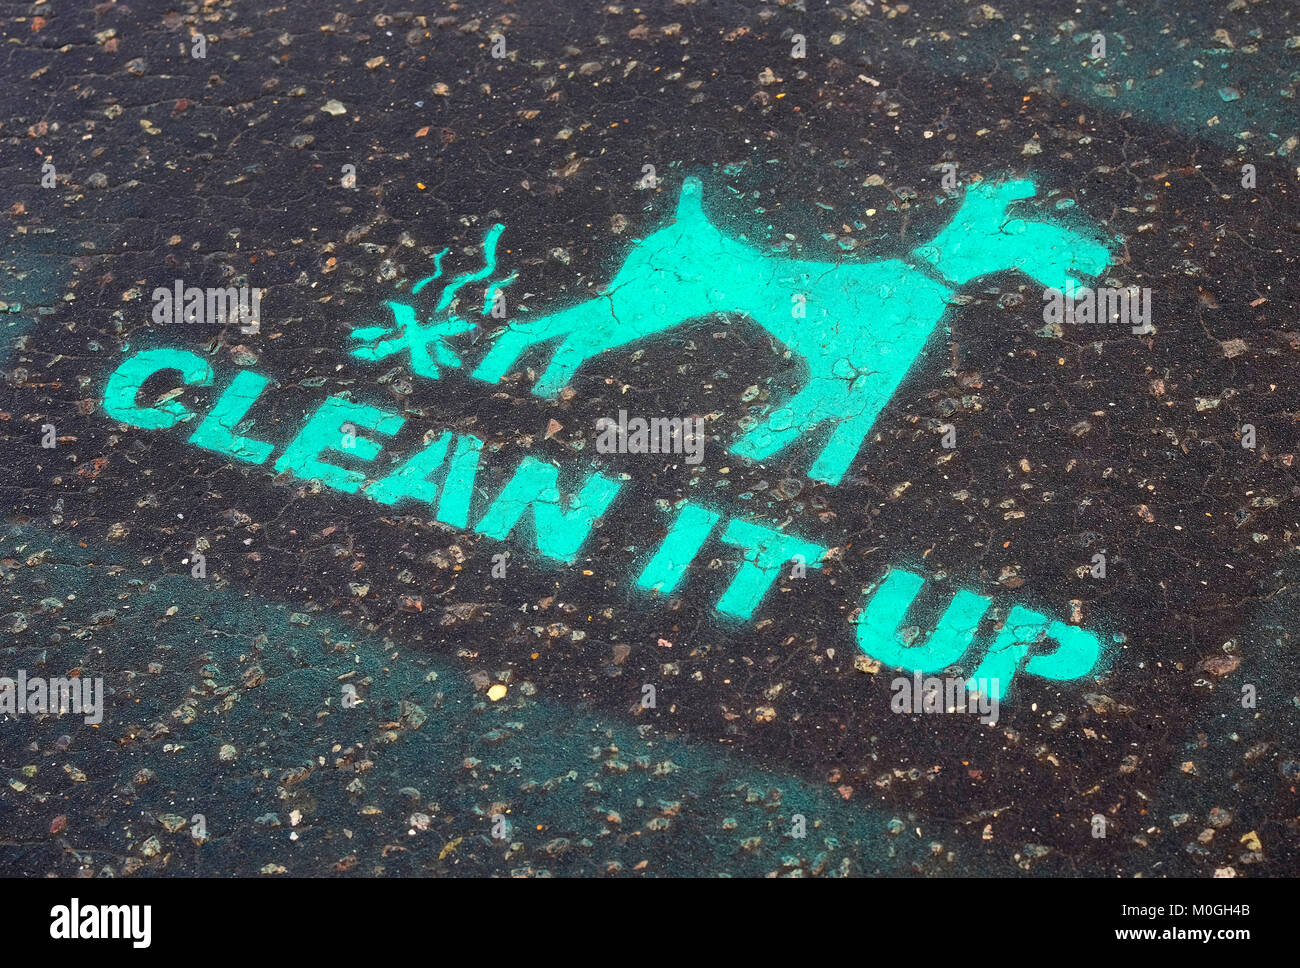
pixel 125 382
pixel 217 431
pixel 882 619
pixel 558 531
pixel 427 342
pixel 880 624
pixel 766 552
pixel 1077 650
pixel 458 488
pixel 681 544
pixel 983 239
pixel 437 272
pixel 491 292
pixel 465 278
pixel 858 326
pixel 411 480
pixel 327 430
pixel 561 527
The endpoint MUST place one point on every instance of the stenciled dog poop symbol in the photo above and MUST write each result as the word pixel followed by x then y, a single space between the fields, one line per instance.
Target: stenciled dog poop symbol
pixel 859 327
pixel 427 342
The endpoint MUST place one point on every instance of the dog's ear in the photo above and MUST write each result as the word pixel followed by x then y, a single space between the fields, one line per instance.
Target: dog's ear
pixel 690 202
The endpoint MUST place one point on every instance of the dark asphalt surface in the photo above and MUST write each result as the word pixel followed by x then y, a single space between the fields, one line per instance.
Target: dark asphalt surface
pixel 224 692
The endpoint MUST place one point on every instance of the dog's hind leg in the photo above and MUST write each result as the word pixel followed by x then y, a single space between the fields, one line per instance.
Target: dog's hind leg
pixel 522 335
pixel 867 396
pixel 577 348
pixel 852 405
pixel 637 304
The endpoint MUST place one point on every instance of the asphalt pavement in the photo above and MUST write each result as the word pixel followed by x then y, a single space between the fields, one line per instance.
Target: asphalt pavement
pixel 373 588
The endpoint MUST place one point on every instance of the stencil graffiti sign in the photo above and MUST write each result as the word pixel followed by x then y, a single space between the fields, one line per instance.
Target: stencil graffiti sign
pixel 858 327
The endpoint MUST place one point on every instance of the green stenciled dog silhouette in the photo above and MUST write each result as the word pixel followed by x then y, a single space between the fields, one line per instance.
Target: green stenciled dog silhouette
pixel 858 326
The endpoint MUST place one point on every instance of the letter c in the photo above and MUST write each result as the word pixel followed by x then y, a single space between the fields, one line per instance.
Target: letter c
pixel 125 383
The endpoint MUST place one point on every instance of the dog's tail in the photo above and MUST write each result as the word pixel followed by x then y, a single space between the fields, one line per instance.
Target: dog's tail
pixel 690 202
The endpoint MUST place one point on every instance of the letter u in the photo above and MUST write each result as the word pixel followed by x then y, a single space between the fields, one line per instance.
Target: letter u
pixel 878 626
